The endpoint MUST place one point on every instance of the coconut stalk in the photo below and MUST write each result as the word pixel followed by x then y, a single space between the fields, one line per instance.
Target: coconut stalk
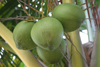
pixel 75 49
pixel 90 26
pixel 25 55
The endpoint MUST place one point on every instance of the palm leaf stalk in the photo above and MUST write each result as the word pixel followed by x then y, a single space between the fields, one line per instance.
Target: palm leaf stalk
pixel 97 43
pixel 75 50
pixel 6 46
pixel 95 57
pixel 25 55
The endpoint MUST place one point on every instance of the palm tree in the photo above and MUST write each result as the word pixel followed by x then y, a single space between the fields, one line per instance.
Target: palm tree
pixel 77 55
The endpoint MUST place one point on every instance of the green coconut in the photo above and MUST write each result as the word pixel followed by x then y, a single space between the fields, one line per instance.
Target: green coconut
pixel 52 56
pixel 71 16
pixel 47 33
pixel 22 35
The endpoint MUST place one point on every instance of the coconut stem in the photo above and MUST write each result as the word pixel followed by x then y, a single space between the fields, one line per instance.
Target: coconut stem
pixel 25 55
pixel 68 1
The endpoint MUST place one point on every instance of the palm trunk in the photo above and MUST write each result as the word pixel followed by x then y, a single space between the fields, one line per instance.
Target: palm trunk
pixel 75 49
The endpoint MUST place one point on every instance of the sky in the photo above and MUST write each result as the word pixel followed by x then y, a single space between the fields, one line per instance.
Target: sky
pixel 84 36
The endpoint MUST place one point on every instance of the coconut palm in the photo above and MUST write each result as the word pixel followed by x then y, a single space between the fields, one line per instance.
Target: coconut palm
pixel 77 54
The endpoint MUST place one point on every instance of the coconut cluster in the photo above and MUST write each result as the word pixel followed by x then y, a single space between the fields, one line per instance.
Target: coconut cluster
pixel 47 34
